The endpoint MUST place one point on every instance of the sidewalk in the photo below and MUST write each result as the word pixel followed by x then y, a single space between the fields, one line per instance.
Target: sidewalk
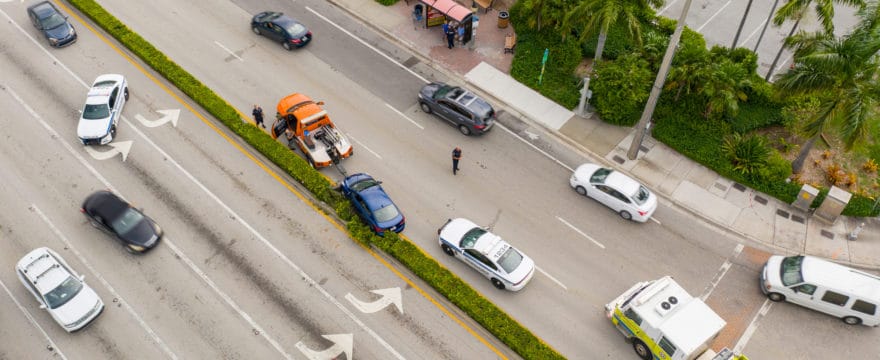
pixel 758 218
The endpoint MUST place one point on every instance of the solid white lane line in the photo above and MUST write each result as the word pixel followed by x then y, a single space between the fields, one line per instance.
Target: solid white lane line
pixel 227 50
pixel 700 29
pixel 226 298
pixel 497 124
pixel 668 5
pixel 367 45
pixel 104 282
pixel 405 117
pixel 33 322
pixel 552 278
pixel 721 272
pixel 750 330
pixel 580 232
pixel 363 146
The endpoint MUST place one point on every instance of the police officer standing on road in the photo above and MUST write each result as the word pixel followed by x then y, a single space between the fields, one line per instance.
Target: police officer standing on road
pixel 456 156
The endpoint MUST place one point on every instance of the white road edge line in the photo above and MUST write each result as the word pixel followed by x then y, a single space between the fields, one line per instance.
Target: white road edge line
pixel 227 50
pixel 405 117
pixel 104 282
pixel 700 29
pixel 721 272
pixel 367 45
pixel 552 278
pixel 580 232
pixel 363 146
pixel 34 322
pixel 753 325
pixel 266 242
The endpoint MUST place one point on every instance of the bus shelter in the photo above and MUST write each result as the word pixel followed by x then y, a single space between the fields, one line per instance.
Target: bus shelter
pixel 439 11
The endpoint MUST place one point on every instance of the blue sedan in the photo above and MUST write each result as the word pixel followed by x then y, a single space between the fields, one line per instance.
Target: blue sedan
pixel 373 204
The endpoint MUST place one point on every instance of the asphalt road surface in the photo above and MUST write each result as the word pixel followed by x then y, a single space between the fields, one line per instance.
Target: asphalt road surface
pixel 252 270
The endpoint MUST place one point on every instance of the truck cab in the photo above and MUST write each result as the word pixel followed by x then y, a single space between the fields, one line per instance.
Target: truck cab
pixel 307 126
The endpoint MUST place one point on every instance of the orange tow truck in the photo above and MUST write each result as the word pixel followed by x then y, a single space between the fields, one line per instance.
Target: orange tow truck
pixel 308 127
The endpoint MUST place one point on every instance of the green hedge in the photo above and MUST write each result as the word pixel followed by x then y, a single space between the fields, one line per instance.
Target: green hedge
pixel 508 330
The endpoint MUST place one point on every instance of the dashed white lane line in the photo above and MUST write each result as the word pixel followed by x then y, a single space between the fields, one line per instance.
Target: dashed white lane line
pixel 367 45
pixel 34 322
pixel 750 330
pixel 405 117
pixel 552 278
pixel 580 232
pixel 363 146
pixel 534 147
pixel 656 221
pixel 700 29
pixel 721 272
pixel 229 51
pixel 104 282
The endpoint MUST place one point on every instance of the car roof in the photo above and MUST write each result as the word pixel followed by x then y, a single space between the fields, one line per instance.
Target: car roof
pixel 622 183
pixel 841 278
pixel 375 197
pixel 43 270
pixel 487 244
pixel 106 205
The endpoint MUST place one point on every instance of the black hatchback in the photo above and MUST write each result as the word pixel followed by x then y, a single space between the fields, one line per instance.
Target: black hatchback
pixel 54 26
pixel 281 28
pixel 106 211
pixel 461 108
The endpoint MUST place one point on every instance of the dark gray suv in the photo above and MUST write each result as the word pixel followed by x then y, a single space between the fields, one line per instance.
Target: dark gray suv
pixel 462 108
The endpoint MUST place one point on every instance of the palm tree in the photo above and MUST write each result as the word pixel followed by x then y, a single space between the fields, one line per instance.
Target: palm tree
pixel 796 9
pixel 843 73
pixel 544 12
pixel 724 88
pixel 599 15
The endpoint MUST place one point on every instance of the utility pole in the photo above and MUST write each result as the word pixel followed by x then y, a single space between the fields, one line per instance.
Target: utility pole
pixel 642 126
pixel 741 24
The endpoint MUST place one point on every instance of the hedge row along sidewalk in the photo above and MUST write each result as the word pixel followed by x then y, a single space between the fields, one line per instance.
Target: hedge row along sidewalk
pixel 493 319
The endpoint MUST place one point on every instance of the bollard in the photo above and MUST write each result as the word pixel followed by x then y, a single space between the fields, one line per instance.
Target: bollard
pixel 855 233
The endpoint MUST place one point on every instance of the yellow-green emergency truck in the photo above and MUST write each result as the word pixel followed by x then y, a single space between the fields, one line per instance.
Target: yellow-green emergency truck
pixel 664 322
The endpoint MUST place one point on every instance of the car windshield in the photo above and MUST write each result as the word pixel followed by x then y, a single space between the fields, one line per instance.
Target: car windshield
pixel 447 91
pixel 641 196
pixel 790 271
pixel 61 294
pixel 363 184
pixel 387 213
pixel 127 221
pixel 470 237
pixel 53 21
pixel 96 112
pixel 510 260
pixel 600 175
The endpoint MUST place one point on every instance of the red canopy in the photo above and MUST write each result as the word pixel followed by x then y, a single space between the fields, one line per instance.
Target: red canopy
pixel 451 8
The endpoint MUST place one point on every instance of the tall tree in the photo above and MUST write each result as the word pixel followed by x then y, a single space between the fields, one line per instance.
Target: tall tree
pixel 796 9
pixel 592 16
pixel 545 12
pixel 843 73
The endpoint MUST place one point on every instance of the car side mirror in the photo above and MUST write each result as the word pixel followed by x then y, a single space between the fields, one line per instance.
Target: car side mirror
pixel 82 278
pixel 320 103
pixel 42 307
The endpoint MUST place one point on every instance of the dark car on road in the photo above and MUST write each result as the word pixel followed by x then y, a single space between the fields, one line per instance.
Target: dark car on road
pixel 54 26
pixel 461 108
pixel 373 204
pixel 108 212
pixel 281 28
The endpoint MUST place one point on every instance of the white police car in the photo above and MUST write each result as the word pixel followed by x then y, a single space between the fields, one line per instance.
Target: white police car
pixel 100 116
pixel 486 252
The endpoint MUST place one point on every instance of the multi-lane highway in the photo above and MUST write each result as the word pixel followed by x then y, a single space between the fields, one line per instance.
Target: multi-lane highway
pixel 250 269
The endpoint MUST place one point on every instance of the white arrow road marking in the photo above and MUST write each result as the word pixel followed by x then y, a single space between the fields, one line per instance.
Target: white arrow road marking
pixel 532 136
pixel 389 296
pixel 342 343
pixel 167 115
pixel 120 147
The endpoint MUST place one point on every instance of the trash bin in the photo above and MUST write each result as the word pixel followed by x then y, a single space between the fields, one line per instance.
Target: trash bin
pixel 503 19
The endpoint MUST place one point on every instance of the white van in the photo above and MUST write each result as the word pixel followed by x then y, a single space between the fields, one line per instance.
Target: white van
pixel 834 289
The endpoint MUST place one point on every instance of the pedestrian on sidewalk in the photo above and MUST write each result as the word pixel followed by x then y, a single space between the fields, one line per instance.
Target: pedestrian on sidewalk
pixel 456 156
pixel 258 115
pixel 450 37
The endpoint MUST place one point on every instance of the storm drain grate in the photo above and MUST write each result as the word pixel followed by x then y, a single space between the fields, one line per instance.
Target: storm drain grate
pixel 618 159
pixel 798 219
pixel 410 62
pixel 761 200
pixel 828 234
pixel 643 148
pixel 720 186
pixel 782 213
pixel 739 186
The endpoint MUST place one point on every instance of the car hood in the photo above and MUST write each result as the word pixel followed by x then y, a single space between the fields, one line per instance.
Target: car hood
pixel 59 32
pixel 773 277
pixel 93 128
pixel 78 307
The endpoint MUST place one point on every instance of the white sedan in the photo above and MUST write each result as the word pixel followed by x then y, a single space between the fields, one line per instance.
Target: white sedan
pixel 100 116
pixel 59 289
pixel 487 253
pixel 633 201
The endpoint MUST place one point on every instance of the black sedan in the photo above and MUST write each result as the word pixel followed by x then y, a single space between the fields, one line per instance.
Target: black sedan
pixel 106 211
pixel 461 108
pixel 281 28
pixel 54 26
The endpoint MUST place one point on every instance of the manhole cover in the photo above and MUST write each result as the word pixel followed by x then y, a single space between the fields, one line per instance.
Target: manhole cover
pixel 798 219
pixel 761 200
pixel 618 159
pixel 782 213
pixel 739 186
pixel 411 61
pixel 828 234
